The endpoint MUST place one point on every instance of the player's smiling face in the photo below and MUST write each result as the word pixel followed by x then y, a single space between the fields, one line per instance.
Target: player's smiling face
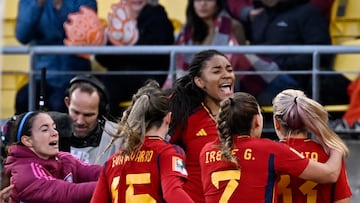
pixel 216 78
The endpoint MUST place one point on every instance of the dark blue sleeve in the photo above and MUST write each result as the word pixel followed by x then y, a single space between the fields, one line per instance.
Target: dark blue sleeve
pixel 28 15
pixel 90 3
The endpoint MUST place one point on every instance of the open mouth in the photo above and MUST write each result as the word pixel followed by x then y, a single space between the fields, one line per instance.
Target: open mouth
pixel 226 88
pixel 53 143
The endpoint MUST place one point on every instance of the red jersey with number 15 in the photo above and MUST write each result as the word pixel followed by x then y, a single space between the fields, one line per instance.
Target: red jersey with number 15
pixel 152 174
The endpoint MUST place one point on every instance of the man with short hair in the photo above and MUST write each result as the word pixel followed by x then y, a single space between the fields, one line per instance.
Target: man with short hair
pixel 91 140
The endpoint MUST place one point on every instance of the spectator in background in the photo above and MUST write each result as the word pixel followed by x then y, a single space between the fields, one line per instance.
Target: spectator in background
pixel 246 10
pixel 195 102
pixel 352 114
pixel 154 28
pixel 294 116
pixel 324 6
pixel 208 23
pixel 293 22
pixel 40 22
pixel 51 176
pixel 145 159
pixel 350 121
pixel 87 101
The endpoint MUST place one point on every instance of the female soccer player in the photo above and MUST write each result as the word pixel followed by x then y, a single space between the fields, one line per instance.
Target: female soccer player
pixel 240 167
pixel 195 101
pixel 39 172
pixel 147 168
pixel 294 115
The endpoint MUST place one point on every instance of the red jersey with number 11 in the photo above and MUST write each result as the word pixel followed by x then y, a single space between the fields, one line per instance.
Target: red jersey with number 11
pixel 292 189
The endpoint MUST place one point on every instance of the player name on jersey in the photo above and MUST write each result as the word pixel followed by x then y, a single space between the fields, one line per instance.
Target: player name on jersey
pixel 311 155
pixel 139 156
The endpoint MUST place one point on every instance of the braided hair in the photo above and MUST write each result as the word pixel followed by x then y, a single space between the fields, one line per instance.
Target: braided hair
pixel 235 118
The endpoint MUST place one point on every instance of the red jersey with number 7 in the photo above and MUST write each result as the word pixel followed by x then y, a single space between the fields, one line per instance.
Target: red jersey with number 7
pixel 253 181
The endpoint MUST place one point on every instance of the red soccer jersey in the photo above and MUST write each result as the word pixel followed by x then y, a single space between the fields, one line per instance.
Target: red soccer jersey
pixel 201 129
pixel 146 176
pixel 292 189
pixel 260 160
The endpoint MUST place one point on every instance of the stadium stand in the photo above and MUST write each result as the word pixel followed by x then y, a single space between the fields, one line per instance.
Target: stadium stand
pixel 345 21
pixel 344 28
pixel 348 62
pixel 15 65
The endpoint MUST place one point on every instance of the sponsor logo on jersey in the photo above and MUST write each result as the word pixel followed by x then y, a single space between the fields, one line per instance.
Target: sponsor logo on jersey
pixel 201 133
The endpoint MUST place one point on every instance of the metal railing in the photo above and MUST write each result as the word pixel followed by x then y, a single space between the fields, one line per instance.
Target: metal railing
pixel 315 50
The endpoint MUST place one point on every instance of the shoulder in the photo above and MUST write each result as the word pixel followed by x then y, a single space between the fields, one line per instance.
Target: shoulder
pixel 163 148
pixel 176 149
pixel 112 157
pixel 68 160
pixel 169 148
pixel 110 128
pixel 200 110
pixel 238 30
pixel 210 146
pixel 171 159
pixel 236 24
pixel 306 8
pixel 66 156
pixel 268 144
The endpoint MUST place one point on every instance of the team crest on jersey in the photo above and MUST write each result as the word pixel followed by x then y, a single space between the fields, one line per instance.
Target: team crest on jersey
pixel 178 165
